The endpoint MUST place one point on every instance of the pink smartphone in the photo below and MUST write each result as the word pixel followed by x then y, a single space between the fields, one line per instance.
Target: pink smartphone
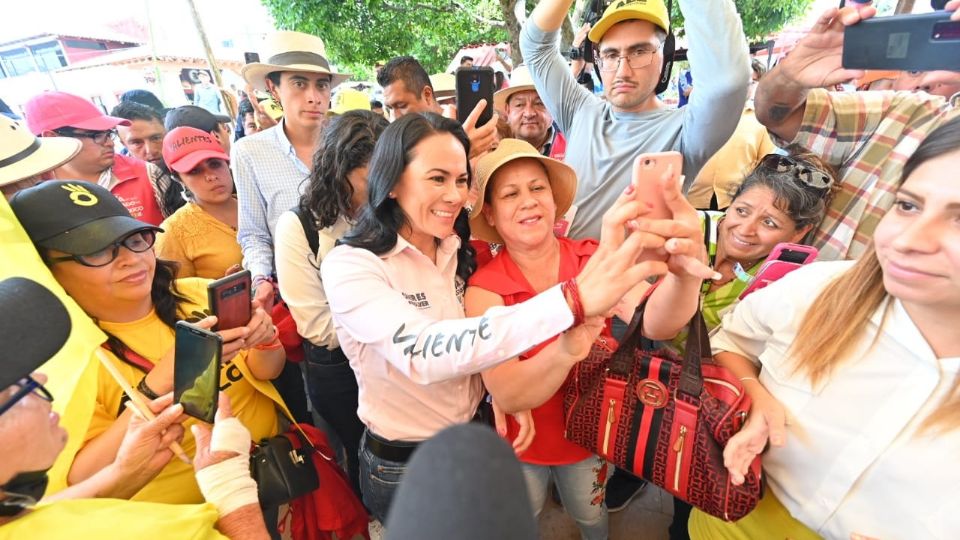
pixel 648 169
pixel 784 258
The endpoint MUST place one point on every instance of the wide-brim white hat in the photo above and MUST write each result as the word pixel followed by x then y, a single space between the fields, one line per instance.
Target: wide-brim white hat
pixel 23 155
pixel 444 86
pixel 520 80
pixel 290 51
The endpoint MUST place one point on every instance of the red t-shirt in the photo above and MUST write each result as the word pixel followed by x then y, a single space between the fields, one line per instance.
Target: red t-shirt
pixel 134 189
pixel 502 276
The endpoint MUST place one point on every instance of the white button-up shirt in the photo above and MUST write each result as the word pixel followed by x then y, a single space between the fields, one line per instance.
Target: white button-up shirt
pixel 269 178
pixel 853 460
pixel 298 276
pixel 401 323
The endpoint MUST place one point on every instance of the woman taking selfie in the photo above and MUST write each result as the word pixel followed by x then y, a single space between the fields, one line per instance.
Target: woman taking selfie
pixel 201 237
pixel 396 286
pixel 852 368
pixel 336 190
pixel 522 193
pixel 104 259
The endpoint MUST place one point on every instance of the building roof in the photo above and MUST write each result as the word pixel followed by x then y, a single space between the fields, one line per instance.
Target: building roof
pixel 231 58
pixel 128 34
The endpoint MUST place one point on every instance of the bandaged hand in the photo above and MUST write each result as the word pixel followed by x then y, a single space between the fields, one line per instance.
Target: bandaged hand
pixel 222 462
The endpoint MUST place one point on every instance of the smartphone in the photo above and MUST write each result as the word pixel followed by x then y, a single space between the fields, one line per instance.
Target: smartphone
pixel 648 169
pixel 251 58
pixel 913 42
pixel 793 253
pixel 784 258
pixel 474 84
pixel 196 370
pixel 229 299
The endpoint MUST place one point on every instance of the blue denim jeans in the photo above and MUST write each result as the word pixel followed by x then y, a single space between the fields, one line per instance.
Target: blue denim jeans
pixel 333 391
pixel 379 480
pixel 581 486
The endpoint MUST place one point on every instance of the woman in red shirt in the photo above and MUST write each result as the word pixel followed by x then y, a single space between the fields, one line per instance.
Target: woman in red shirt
pixel 522 194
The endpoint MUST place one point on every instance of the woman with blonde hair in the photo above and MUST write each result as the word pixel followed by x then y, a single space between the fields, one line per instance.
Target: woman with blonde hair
pixel 852 368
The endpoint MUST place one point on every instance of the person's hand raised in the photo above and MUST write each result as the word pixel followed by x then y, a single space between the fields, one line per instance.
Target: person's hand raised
pixel 816 60
pixel 481 138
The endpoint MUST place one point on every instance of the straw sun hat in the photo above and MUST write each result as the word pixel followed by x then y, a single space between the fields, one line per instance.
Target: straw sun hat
pixel 563 182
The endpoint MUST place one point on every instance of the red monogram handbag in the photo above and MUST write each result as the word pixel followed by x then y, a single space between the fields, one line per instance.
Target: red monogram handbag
pixel 664 419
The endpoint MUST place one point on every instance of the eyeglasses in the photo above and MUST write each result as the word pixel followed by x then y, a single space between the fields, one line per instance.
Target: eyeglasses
pixel 98 137
pixel 810 176
pixel 137 242
pixel 28 385
pixel 636 58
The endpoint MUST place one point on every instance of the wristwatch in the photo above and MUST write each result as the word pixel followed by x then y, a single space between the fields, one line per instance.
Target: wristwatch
pixel 575 53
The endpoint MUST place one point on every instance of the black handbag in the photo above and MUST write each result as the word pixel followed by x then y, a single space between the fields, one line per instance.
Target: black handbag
pixel 283 472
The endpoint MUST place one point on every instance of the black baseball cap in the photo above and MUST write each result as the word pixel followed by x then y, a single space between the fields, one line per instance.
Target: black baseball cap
pixel 40 328
pixel 195 117
pixel 73 216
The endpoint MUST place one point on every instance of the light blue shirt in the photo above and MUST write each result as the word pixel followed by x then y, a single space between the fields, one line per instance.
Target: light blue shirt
pixel 269 178
pixel 602 143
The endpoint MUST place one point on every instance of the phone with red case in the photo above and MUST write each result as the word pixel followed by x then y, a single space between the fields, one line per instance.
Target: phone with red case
pixel 229 300
pixel 784 258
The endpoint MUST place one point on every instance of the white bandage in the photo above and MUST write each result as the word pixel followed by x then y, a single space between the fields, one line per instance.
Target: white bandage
pixel 227 485
pixel 229 435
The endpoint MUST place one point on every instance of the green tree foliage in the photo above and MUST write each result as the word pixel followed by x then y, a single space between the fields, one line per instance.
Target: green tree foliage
pixel 360 32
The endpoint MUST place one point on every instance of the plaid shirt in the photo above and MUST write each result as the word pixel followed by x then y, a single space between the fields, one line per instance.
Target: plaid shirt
pixel 868 136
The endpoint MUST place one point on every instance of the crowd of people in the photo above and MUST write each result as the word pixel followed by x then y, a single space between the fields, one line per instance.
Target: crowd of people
pixel 410 273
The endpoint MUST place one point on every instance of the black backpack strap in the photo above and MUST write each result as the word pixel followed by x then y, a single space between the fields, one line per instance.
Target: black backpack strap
pixel 309 229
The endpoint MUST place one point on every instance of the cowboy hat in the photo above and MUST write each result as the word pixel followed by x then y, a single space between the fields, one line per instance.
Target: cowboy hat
pixel 291 51
pixel 520 80
pixel 563 183
pixel 22 155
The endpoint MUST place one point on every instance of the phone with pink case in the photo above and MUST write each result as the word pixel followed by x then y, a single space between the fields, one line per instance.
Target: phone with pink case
pixel 784 258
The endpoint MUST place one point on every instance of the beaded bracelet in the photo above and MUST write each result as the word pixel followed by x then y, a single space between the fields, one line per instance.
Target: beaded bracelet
pixel 570 287
pixel 146 390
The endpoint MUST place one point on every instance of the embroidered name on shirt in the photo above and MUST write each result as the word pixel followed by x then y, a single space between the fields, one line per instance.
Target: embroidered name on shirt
pixel 417 300
pixel 438 344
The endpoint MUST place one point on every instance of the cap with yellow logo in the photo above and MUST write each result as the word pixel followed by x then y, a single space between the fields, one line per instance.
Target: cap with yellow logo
pixel 73 216
pixel 654 11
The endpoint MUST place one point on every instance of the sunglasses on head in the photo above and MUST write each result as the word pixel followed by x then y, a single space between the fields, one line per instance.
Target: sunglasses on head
pixel 28 385
pixel 802 171
pixel 137 242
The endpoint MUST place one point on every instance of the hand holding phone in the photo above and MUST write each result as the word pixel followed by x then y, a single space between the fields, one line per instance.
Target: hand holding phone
pixel 196 370
pixel 229 299
pixel 474 84
pixel 649 174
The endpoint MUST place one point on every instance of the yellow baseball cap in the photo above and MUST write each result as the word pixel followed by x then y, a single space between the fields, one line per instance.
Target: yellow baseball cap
pixel 654 11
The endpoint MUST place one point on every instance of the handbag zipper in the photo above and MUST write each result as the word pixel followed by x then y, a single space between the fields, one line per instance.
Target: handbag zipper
pixel 678 448
pixel 725 384
pixel 610 418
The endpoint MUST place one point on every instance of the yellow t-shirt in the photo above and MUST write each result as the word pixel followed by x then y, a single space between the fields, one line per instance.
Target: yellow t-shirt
pixel 96 519
pixel 252 400
pixel 201 244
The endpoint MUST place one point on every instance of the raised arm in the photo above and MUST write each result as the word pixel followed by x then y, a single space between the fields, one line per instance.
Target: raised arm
pixel 814 63
pixel 555 83
pixel 720 65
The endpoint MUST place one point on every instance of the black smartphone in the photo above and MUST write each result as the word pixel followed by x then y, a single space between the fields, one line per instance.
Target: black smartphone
pixel 474 84
pixel 229 299
pixel 920 42
pixel 251 58
pixel 196 370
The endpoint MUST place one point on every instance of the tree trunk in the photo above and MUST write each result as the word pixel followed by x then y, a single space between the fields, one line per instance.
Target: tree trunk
pixel 904 6
pixel 508 7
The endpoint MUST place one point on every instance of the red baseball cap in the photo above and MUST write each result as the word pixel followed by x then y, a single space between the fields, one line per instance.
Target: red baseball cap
pixel 185 147
pixel 55 110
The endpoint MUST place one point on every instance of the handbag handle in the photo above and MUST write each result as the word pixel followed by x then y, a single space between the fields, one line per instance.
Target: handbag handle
pixel 696 350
